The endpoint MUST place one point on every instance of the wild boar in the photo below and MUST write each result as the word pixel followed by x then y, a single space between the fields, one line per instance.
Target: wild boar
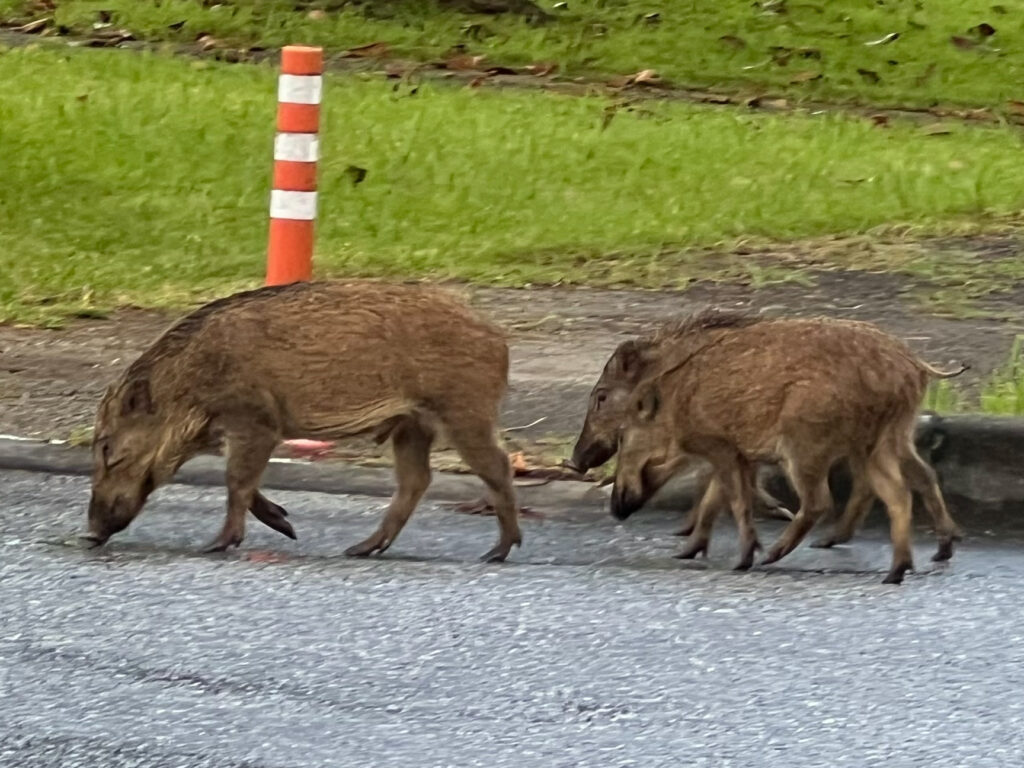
pixel 631 362
pixel 807 393
pixel 308 360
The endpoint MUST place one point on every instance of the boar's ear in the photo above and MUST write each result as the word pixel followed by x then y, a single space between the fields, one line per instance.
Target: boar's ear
pixel 631 358
pixel 137 398
pixel 648 403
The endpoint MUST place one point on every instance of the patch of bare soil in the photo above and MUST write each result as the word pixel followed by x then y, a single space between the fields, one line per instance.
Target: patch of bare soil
pixel 51 380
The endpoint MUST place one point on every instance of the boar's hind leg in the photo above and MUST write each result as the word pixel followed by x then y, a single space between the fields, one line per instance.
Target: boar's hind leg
pixel 411 443
pixel 923 480
pixel 885 473
pixel 247 457
pixel 477 446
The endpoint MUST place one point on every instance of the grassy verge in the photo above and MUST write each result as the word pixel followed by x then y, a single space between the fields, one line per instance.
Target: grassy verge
pixel 958 52
pixel 145 180
pixel 1001 395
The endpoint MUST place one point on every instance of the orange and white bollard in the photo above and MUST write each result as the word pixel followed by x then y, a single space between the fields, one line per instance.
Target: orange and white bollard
pixel 296 151
pixel 293 197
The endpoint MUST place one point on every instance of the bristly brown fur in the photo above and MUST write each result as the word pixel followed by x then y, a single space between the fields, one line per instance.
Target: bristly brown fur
pixel 708 319
pixel 183 331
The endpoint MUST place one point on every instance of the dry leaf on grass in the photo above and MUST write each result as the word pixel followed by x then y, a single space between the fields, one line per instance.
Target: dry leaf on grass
pixel 890 38
pixel 541 68
pixel 500 71
pixel 208 43
pixel 463 63
pixel 376 50
pixel 805 77
pixel 733 42
pixel 34 27
pixel 646 77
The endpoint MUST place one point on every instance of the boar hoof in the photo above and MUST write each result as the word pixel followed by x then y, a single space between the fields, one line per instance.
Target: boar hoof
pixel 747 560
pixel 498 553
pixel 945 551
pixel 895 576
pixel 686 530
pixel 692 550
pixel 91 541
pixel 774 555
pixel 272 515
pixel 375 545
pixel 826 542
pixel 778 512
pixel 222 543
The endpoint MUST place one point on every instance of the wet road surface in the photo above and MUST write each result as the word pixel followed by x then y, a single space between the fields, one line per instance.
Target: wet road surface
pixel 591 647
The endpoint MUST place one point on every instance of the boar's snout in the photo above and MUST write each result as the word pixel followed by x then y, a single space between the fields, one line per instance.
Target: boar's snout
pixel 626 501
pixel 106 519
pixel 590 453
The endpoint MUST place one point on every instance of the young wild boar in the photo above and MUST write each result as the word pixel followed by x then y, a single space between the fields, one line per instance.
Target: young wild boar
pixel 308 360
pixel 630 363
pixel 806 393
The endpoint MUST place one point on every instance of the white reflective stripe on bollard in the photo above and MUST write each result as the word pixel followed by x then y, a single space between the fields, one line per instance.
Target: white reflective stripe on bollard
pixel 285 204
pixel 299 89
pixel 297 147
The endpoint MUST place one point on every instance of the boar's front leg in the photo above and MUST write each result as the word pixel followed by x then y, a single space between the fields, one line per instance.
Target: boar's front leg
pixel 862 498
pixel 411 443
pixel 742 484
pixel 810 480
pixel 247 456
pixel 704 520
pixel 702 483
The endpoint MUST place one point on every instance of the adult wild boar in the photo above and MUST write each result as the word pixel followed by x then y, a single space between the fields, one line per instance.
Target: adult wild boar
pixel 631 362
pixel 807 393
pixel 308 360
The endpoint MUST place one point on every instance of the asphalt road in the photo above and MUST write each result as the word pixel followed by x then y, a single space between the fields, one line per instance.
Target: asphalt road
pixel 591 647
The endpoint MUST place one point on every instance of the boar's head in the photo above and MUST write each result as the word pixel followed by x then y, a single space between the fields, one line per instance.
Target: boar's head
pixel 127 463
pixel 648 452
pixel 608 402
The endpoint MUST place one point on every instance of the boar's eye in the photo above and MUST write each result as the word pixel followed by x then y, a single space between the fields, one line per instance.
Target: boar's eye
pixel 107 452
pixel 600 397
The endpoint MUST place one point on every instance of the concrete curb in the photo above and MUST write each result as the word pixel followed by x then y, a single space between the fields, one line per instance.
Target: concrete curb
pixel 979 460
pixel 288 475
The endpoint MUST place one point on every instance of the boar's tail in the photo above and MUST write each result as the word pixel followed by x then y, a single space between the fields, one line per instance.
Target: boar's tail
pixel 940 374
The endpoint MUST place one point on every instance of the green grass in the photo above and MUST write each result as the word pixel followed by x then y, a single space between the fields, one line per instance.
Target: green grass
pixel 140 179
pixel 805 48
pixel 1002 394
